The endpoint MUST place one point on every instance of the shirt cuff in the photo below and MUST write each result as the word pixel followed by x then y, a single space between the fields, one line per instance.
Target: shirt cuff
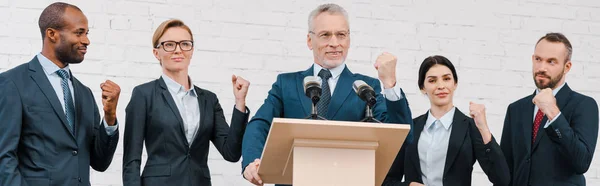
pixel 393 94
pixel 110 130
pixel 550 122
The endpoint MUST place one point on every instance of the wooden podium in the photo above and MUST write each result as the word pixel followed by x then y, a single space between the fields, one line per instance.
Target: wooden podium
pixel 318 152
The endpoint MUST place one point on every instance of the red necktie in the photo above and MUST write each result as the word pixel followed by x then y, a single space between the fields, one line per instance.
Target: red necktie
pixel 536 124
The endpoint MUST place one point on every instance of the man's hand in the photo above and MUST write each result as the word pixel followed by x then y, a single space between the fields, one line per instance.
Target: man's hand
pixel 546 102
pixel 110 98
pixel 251 173
pixel 386 69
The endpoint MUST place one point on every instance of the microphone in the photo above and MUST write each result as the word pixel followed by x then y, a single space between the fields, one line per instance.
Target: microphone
pixel 312 88
pixel 364 92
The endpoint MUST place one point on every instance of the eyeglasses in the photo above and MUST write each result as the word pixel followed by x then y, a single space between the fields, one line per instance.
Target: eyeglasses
pixel 326 36
pixel 170 46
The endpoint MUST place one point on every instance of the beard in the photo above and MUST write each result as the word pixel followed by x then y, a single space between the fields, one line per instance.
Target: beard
pixel 552 81
pixel 68 54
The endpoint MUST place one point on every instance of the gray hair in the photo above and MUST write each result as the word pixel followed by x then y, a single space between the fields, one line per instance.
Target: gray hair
pixel 329 8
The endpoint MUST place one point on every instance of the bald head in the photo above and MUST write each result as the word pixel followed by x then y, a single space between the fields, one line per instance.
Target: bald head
pixel 52 17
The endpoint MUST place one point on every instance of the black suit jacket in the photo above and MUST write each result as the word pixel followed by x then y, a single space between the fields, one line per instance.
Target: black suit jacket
pixel 153 117
pixel 37 146
pixel 465 146
pixel 562 152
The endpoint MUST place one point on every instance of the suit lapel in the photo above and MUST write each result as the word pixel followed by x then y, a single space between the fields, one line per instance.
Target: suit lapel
pixel 77 89
pixel 306 102
pixel 341 92
pixel 419 125
pixel 36 72
pixel 527 121
pixel 203 110
pixel 169 99
pixel 460 125
pixel 562 98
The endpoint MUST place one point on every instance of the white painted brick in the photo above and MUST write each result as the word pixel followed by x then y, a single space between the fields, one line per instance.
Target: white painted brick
pixel 479 61
pixel 437 30
pixel 21 30
pixel 578 27
pixel 490 43
pixel 266 47
pixel 142 54
pixel 592 69
pixel 168 11
pixel 594 28
pixel 267 18
pixel 119 23
pixel 129 8
pixel 143 24
pixel 207 28
pixel 98 21
pixel 391 28
pixel 520 36
pixel 542 24
pixel 219 44
pixel 519 50
pixel 4 14
pixel 244 31
pixel 220 14
pixel 25 16
pixel 16 46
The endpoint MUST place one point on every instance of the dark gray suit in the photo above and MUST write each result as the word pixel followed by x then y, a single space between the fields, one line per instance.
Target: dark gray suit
pixel 153 118
pixel 37 147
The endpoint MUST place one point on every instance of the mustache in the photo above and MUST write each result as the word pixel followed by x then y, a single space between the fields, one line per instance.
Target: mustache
pixel 542 74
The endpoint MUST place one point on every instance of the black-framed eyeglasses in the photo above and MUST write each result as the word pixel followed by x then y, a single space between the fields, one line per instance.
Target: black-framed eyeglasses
pixel 170 46
pixel 326 36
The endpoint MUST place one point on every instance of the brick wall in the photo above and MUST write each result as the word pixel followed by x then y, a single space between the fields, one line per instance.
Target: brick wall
pixel 489 41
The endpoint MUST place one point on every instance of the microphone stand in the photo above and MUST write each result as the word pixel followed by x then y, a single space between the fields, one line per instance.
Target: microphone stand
pixel 369 116
pixel 314 115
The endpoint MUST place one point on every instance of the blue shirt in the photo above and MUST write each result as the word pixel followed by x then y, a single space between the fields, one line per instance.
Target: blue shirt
pixel 50 70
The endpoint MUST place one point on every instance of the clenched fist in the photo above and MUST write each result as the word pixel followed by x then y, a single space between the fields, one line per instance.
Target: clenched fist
pixel 110 98
pixel 477 112
pixel 546 102
pixel 386 69
pixel 240 90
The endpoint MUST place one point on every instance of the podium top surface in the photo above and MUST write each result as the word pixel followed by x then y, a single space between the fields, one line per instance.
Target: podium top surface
pixel 277 160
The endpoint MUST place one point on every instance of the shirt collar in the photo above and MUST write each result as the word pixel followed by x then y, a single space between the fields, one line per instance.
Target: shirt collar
pixel 176 87
pixel 555 91
pixel 446 120
pixel 335 72
pixel 48 66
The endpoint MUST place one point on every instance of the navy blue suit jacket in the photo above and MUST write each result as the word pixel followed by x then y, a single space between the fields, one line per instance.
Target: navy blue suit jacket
pixel 562 152
pixel 38 148
pixel 287 99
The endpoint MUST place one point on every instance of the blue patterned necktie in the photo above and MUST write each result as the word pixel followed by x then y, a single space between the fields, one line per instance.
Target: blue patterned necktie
pixel 323 104
pixel 68 98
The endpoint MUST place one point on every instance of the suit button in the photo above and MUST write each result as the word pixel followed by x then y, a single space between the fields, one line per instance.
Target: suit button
pixel 527 160
pixel 74 153
pixel 79 179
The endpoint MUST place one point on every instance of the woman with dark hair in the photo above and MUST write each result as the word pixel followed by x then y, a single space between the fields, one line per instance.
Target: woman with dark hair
pixel 447 142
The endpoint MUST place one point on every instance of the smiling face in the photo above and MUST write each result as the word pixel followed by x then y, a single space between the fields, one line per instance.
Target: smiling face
pixel 329 40
pixel 439 85
pixel 177 60
pixel 72 38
